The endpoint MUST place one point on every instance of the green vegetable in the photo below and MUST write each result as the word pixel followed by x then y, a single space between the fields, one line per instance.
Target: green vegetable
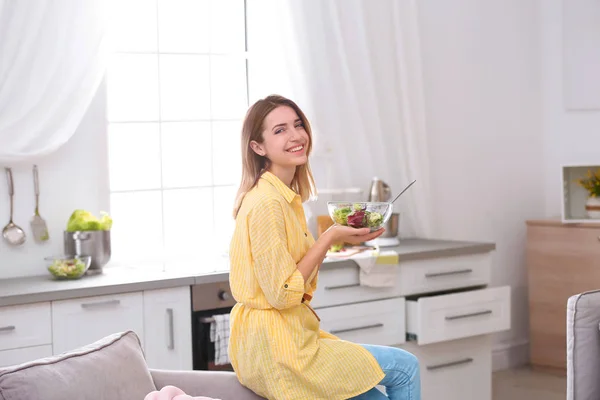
pixel 340 216
pixel 336 247
pixel 82 220
pixel 357 216
pixel 374 219
pixel 67 268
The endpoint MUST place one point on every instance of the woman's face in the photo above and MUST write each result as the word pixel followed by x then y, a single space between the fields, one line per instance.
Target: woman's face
pixel 284 139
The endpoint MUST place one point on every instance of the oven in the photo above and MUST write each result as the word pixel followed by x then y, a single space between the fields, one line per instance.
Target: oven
pixel 208 300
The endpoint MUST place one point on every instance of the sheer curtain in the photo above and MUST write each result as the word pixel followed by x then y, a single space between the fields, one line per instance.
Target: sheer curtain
pixel 354 67
pixel 52 60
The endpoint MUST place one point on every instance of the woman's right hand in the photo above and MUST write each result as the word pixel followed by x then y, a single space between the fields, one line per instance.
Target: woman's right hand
pixel 347 234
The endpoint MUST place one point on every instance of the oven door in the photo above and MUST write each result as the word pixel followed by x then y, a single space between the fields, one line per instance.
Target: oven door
pixel 208 300
pixel 202 346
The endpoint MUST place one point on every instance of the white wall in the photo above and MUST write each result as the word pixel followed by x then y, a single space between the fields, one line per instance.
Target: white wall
pixel 570 136
pixel 73 177
pixel 481 73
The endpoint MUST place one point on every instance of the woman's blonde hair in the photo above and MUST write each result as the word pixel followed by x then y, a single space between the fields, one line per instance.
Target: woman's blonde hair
pixel 253 165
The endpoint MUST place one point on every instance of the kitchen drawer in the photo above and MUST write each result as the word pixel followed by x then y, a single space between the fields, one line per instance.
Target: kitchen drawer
pixel 79 322
pixel 25 326
pixel 444 273
pixel 379 322
pixel 437 318
pixel 338 286
pixel 20 356
pixel 456 370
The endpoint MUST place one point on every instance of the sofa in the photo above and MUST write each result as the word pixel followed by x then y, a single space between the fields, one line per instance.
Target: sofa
pixel 112 368
pixel 583 346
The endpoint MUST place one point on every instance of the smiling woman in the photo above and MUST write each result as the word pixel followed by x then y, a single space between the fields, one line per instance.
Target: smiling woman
pixel 276 134
pixel 276 347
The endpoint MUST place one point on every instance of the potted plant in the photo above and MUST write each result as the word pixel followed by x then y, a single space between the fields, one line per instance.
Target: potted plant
pixel 591 183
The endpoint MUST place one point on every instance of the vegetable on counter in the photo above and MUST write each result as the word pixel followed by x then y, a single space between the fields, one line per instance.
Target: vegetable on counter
pixel 82 220
pixel 357 216
pixel 67 268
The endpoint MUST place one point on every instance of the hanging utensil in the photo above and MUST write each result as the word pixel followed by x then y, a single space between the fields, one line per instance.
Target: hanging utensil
pixel 12 233
pixel 405 189
pixel 38 225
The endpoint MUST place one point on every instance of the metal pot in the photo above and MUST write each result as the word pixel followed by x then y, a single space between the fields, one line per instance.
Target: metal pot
pixel 391 226
pixel 95 244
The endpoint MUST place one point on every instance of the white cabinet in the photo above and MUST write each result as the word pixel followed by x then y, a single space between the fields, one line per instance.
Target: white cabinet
pixel 375 322
pixel 440 318
pixel 441 310
pixel 455 370
pixel 168 328
pixel 78 322
pixel 341 285
pixel 25 325
pixel 19 356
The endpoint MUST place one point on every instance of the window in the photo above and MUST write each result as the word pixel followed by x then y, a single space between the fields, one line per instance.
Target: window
pixel 176 96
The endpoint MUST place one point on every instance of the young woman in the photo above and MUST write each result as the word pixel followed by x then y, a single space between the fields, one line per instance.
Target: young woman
pixel 276 346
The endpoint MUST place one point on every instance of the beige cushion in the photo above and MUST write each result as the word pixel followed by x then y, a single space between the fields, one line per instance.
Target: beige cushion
pixel 112 368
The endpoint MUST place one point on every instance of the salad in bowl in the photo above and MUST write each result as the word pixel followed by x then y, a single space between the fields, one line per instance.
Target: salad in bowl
pixel 373 215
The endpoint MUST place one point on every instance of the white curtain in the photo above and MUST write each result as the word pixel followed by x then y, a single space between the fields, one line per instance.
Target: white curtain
pixel 354 67
pixel 52 60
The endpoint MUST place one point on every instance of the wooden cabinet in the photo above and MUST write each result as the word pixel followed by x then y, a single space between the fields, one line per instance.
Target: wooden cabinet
pixel 168 328
pixel 562 260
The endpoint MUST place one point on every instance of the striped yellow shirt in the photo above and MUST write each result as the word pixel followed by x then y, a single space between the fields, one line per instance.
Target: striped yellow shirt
pixel 276 346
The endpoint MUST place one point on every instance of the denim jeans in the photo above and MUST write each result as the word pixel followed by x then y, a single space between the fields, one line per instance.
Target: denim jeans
pixel 402 379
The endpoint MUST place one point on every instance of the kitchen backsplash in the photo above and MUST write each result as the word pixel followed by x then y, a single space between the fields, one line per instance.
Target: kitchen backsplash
pixel 73 177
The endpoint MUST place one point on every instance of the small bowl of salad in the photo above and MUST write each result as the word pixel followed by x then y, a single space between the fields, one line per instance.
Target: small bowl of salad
pixel 372 215
pixel 68 267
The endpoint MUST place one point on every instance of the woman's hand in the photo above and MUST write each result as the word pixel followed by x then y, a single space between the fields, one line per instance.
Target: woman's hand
pixel 347 234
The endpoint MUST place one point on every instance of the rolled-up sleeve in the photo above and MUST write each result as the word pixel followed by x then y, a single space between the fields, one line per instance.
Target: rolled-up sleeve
pixel 274 268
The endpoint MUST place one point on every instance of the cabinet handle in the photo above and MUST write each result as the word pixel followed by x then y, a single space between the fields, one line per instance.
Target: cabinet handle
pixel 171 338
pixel 450 364
pixel 358 328
pixel 475 314
pixel 8 328
pixel 460 271
pixel 101 304
pixel 342 286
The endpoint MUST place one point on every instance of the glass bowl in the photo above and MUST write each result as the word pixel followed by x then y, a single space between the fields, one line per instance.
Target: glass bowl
pixel 366 214
pixel 68 267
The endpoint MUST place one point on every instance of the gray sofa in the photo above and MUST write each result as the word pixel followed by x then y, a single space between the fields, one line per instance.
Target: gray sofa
pixel 583 346
pixel 113 368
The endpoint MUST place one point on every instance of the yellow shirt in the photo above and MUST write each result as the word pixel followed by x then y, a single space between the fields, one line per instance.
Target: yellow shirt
pixel 276 346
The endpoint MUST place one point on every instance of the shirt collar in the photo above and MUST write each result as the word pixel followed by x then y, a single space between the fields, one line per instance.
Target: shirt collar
pixel 281 187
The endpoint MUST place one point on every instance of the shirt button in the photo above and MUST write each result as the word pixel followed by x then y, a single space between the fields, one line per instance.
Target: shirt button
pixel 285 286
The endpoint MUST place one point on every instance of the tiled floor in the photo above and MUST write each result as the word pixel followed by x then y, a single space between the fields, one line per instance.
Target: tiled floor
pixel 525 384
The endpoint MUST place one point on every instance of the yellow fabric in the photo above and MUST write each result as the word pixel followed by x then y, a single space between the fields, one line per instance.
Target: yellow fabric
pixel 276 346
pixel 388 257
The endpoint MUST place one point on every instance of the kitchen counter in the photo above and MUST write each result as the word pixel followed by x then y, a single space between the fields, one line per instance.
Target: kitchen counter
pixel 122 279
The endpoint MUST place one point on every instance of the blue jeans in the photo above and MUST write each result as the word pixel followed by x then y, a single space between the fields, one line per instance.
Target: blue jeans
pixel 402 379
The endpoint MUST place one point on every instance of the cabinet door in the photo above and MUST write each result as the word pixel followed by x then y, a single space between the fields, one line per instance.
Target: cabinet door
pixel 168 323
pixel 562 261
pixel 82 321
pixel 26 354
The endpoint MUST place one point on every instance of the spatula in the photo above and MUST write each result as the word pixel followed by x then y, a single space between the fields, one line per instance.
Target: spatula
pixel 38 225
